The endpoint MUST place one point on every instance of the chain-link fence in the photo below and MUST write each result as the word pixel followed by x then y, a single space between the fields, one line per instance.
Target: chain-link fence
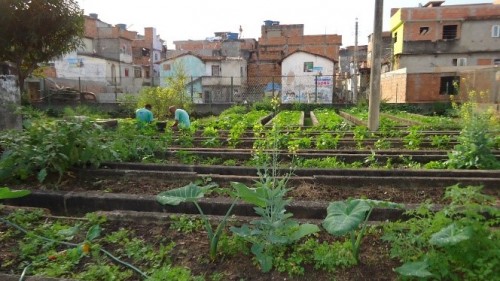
pixel 204 89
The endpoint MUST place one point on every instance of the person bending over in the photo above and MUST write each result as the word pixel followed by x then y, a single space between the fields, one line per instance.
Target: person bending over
pixel 181 118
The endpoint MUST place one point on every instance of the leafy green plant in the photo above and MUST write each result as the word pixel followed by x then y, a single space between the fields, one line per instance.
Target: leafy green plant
pixel 274 228
pixel 185 224
pixel 235 134
pixel 345 217
pixel 440 141
pixel 7 193
pixel 457 242
pixel 191 193
pixel 52 146
pixel 186 157
pixel 326 162
pixel 382 144
pixel 360 133
pixel 414 138
pixel 327 141
pixel 475 142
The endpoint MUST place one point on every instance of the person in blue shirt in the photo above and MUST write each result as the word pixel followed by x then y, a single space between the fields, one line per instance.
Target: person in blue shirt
pixel 181 118
pixel 144 115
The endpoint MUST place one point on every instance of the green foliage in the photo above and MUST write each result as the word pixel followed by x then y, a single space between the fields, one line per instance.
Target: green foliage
pixel 382 144
pixel 133 143
pixel 168 272
pixel 83 110
pixel 191 193
pixel 6 193
pixel 103 272
pixel 212 137
pixel 457 242
pixel 275 228
pixel 326 162
pixel 162 98
pixel 414 138
pixel 329 119
pixel 440 141
pixel 52 146
pixel 235 134
pixel 475 142
pixel 345 217
pixel 360 133
pixel 327 141
pixel 128 104
pixel 185 224
pixel 34 32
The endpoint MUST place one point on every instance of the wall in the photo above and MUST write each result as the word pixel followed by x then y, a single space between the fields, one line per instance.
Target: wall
pixel 299 85
pixel 193 66
pixel 10 98
pixel 73 66
pixel 444 62
pixel 393 86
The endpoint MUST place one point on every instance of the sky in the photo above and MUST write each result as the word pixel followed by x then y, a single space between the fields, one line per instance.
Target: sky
pixel 199 19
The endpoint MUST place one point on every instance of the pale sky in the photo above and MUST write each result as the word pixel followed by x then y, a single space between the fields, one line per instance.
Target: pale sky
pixel 199 19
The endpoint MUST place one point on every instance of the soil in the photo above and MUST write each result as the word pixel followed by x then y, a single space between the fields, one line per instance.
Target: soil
pixel 302 191
pixel 191 251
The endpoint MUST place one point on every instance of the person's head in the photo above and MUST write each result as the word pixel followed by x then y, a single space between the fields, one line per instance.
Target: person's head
pixel 172 109
pixel 148 106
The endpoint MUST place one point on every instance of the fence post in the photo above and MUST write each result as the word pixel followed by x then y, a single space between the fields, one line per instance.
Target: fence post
pixel 192 90
pixel 334 82
pixel 79 84
pixel 273 85
pixel 316 89
pixel 232 90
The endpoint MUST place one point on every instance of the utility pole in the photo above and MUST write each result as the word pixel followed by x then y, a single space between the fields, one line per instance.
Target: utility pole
pixel 374 103
pixel 354 77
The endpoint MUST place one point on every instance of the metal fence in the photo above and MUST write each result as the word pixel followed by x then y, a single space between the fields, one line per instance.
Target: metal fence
pixel 209 89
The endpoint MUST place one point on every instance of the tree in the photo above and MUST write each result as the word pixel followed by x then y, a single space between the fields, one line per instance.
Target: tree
pixel 36 31
pixel 175 93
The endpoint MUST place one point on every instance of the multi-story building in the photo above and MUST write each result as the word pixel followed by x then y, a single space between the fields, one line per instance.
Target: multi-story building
pixel 112 60
pixel 437 48
pixel 279 40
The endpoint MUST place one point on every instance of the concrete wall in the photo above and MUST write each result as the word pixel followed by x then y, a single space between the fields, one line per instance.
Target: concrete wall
pixel 445 62
pixel 10 99
pixel 193 66
pixel 299 84
pixel 73 66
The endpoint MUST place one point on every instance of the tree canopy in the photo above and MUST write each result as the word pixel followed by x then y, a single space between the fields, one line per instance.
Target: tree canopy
pixel 37 31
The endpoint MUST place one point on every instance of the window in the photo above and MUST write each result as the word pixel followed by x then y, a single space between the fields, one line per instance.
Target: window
pixel 137 72
pixel 460 62
pixel 126 72
pixel 308 66
pixel 449 85
pixel 147 74
pixel 450 31
pixel 495 31
pixel 215 70
pixel 496 62
pixel 424 30
pixel 395 37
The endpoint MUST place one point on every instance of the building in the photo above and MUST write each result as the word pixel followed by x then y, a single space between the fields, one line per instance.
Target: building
pixel 279 40
pixel 437 48
pixel 307 78
pixel 112 60
pixel 211 79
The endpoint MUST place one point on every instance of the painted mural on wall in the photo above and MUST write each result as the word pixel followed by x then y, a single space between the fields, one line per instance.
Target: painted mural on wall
pixel 307 89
